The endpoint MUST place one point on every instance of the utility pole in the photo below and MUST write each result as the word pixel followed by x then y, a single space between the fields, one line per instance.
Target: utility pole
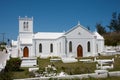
pixel 3 34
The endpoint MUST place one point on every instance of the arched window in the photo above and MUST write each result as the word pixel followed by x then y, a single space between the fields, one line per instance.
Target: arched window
pixel 88 46
pixel 40 48
pixel 27 25
pixel 51 48
pixel 70 46
pixel 60 47
pixel 24 25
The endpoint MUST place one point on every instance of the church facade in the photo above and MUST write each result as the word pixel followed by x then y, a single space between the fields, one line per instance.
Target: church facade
pixel 76 42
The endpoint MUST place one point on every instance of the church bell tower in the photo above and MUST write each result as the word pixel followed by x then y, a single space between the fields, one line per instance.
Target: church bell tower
pixel 25 27
pixel 25 36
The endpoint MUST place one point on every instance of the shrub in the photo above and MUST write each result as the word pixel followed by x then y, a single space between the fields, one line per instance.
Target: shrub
pixel 5 75
pixel 13 64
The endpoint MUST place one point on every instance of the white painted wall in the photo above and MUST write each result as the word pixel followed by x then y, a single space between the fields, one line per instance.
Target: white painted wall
pixel 80 36
pixel 100 46
pixel 30 24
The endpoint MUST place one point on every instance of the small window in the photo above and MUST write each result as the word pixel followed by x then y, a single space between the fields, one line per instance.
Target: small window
pixel 40 48
pixel 51 48
pixel 70 46
pixel 60 47
pixel 88 46
pixel 25 25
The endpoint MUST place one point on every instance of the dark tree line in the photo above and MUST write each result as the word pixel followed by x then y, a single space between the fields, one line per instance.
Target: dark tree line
pixel 112 37
pixel 100 29
pixel 114 25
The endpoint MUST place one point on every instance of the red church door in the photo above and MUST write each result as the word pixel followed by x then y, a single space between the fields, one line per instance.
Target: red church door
pixel 79 51
pixel 25 52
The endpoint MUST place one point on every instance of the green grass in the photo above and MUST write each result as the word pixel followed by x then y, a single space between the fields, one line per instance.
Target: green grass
pixel 23 73
pixel 71 68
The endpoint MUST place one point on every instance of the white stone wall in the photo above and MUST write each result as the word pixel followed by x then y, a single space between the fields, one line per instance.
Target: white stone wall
pixel 100 46
pixel 45 47
pixel 58 47
pixel 14 52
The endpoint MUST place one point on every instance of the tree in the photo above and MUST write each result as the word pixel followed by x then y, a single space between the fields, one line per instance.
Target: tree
pixel 115 23
pixel 119 21
pixel 100 29
pixel 88 27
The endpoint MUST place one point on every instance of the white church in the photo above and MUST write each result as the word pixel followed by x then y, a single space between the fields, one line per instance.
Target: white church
pixel 76 42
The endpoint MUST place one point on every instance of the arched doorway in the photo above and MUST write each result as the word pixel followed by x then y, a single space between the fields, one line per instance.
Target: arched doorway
pixel 25 52
pixel 79 51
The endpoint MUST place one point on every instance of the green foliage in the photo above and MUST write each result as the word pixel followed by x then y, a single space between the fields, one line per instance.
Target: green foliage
pixel 3 43
pixel 5 75
pixel 112 39
pixel 100 29
pixel 13 64
pixel 115 22
pixel 2 46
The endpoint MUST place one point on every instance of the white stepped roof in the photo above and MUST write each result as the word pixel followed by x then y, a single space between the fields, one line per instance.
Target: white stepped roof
pixel 98 35
pixel 48 35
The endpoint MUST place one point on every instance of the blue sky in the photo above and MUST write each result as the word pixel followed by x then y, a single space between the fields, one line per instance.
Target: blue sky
pixel 55 15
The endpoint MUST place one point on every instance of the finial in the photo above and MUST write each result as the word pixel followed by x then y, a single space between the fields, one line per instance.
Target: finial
pixel 78 22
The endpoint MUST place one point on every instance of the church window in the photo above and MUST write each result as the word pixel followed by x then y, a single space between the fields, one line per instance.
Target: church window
pixel 70 46
pixel 25 25
pixel 60 47
pixel 97 47
pixel 40 47
pixel 51 48
pixel 88 46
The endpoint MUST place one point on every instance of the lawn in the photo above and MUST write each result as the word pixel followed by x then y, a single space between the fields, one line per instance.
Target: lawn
pixel 70 68
pixel 23 73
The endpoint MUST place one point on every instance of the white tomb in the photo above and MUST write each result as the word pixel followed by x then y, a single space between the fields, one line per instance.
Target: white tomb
pixel 29 62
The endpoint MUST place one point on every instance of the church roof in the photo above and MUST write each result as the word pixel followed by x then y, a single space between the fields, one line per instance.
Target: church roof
pixel 98 35
pixel 48 35
pixel 78 25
